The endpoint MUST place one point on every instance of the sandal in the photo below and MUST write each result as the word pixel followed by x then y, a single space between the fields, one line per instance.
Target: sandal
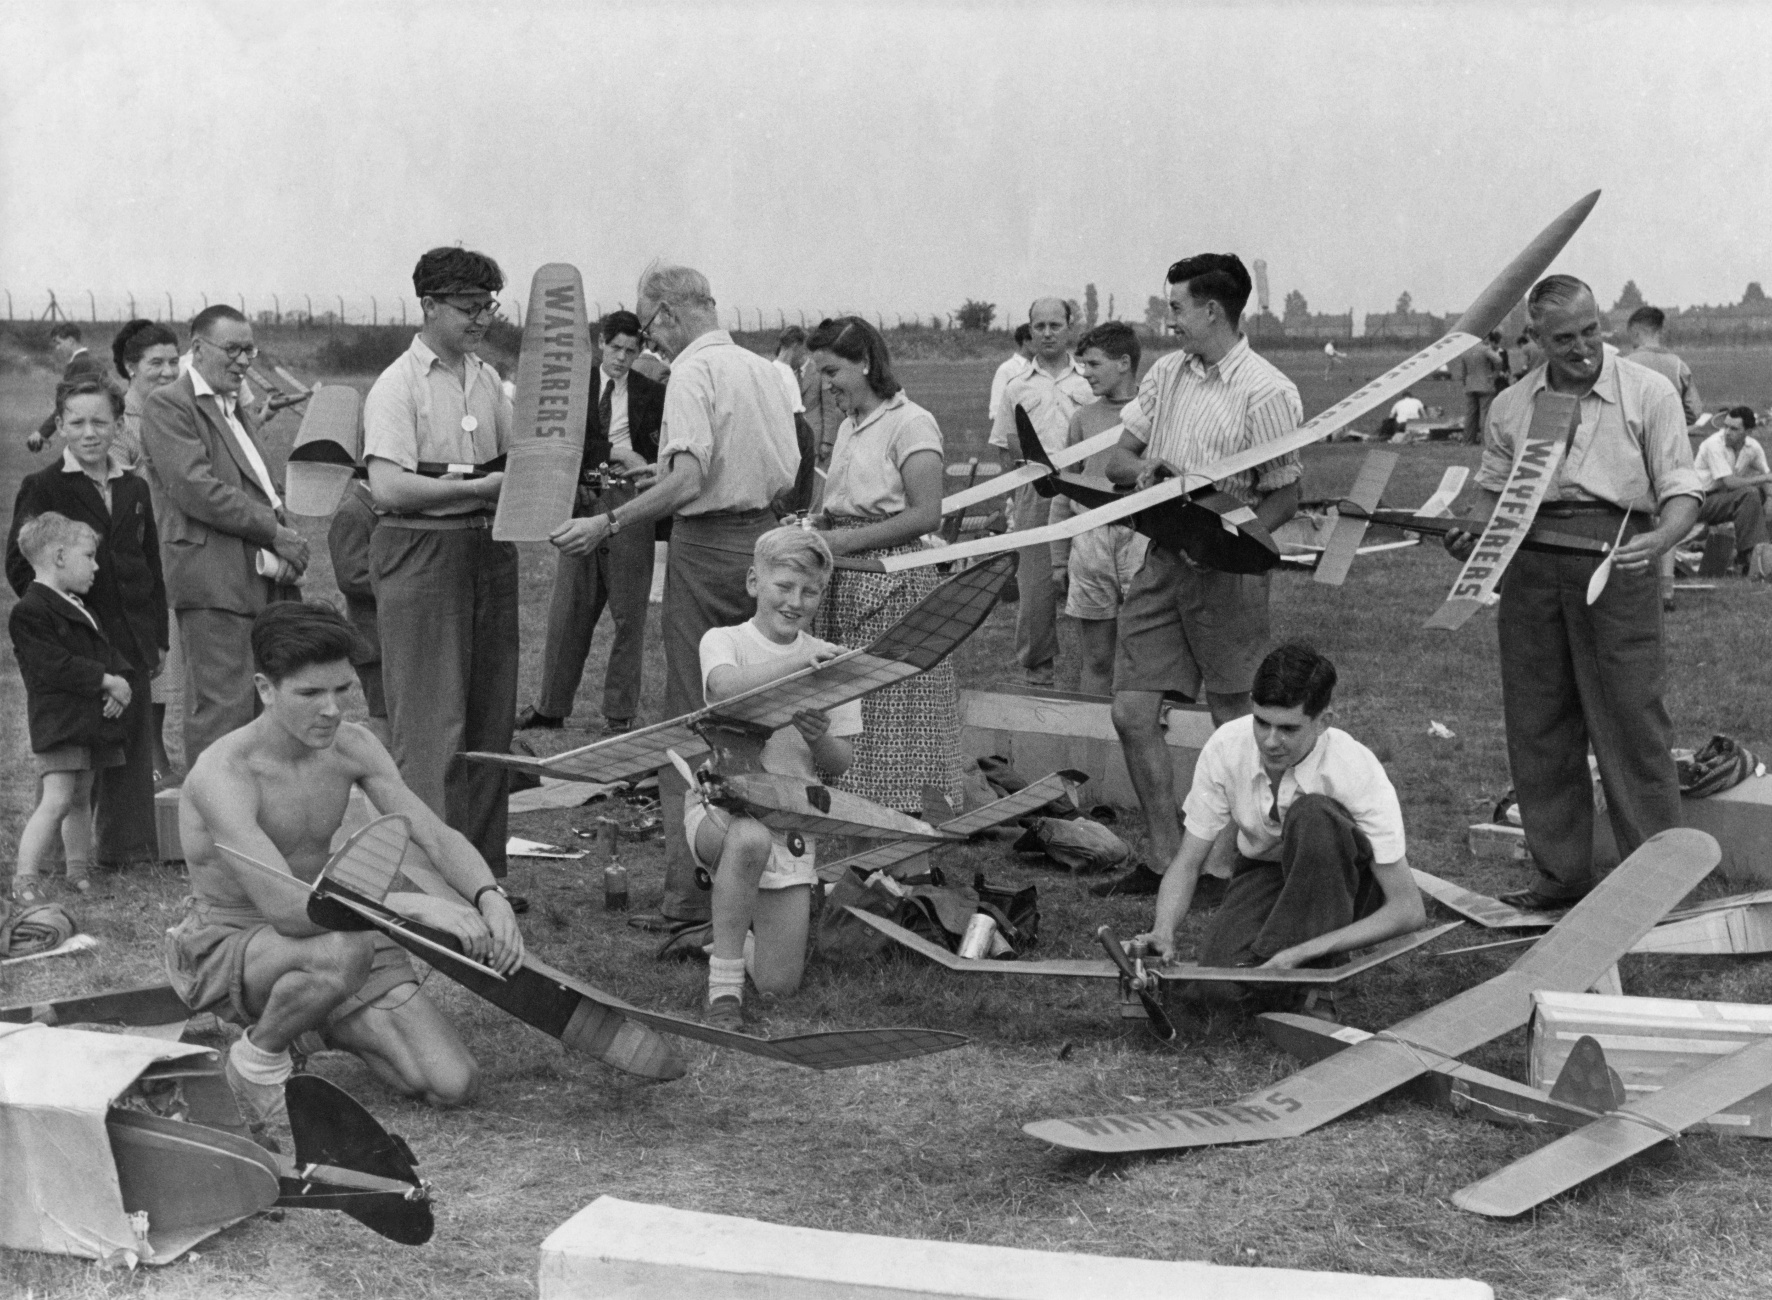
pixel 27 889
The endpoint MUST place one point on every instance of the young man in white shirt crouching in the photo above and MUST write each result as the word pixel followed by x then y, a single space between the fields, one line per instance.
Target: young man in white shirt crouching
pixel 1320 862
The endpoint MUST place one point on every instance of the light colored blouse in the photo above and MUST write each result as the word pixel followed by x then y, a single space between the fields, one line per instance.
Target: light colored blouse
pixel 865 477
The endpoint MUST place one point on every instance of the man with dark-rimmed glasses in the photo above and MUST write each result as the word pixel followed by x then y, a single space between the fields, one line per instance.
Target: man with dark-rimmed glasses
pixel 446 593
pixel 226 547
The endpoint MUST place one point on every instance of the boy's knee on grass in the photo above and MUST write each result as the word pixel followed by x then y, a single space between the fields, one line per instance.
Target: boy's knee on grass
pixel 452 1082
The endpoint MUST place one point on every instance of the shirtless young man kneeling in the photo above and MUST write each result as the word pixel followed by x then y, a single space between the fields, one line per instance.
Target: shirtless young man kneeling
pixel 276 790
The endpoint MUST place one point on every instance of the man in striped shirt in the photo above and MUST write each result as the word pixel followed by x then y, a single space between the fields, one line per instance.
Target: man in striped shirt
pixel 1186 630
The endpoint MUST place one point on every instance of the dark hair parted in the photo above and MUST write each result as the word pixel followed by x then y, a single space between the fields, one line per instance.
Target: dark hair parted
pixel 211 314
pixel 1294 674
pixel 134 340
pixel 1023 332
pixel 291 635
pixel 1220 277
pixel 1743 413
pixel 65 329
pixel 789 337
pixel 1114 338
pixel 853 339
pixel 455 270
pixel 1649 317
pixel 617 323
pixel 88 386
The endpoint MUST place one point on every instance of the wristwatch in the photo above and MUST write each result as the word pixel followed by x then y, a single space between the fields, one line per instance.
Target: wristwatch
pixel 614 523
pixel 494 888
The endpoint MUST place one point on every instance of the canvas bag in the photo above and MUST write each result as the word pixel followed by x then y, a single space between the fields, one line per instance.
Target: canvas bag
pixel 928 907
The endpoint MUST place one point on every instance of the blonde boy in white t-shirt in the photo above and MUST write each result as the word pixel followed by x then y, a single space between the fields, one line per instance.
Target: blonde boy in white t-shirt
pixel 763 879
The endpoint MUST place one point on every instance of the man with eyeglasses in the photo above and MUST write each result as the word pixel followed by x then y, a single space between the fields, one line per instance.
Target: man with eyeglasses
pixel 727 447
pixel 436 427
pixel 226 546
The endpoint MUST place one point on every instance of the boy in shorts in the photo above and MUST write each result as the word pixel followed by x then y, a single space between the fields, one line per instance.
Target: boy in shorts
pixel 1101 563
pixel 763 879
pixel 75 694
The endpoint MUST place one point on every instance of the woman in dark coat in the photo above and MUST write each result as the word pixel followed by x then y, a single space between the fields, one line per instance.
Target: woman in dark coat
pixel 128 596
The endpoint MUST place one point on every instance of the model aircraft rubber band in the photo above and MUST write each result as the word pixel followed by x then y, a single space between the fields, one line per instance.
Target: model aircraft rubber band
pixel 1484 314
pixel 583 1017
pixel 1555 417
pixel 929 632
pixel 553 404
pixel 1579 951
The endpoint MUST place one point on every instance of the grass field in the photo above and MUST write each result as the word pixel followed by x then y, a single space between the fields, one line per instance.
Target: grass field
pixel 932 1148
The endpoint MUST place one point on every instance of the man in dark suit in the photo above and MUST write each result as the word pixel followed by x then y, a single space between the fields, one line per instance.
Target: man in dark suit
pixel 225 545
pixel 622 434
pixel 127 598
pixel 77 362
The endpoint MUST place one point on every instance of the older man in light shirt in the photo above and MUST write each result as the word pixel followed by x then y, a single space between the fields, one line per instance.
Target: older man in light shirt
pixel 226 547
pixel 726 449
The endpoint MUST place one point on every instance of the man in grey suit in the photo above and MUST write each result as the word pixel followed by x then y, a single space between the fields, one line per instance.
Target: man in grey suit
pixel 225 546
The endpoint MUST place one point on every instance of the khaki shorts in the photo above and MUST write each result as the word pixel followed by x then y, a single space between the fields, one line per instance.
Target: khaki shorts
pixel 1103 563
pixel 1183 628
pixel 786 868
pixel 205 958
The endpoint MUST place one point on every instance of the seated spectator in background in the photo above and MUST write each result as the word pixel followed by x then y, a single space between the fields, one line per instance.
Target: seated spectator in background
pixel 1645 327
pixel 763 879
pixel 1406 408
pixel 146 354
pixel 1732 471
pixel 75 693
pixel 622 434
pixel 76 361
pixel 127 598
pixel 882 495
pixel 225 545
pixel 1094 572
pixel 1015 366
pixel 1320 846
pixel 348 542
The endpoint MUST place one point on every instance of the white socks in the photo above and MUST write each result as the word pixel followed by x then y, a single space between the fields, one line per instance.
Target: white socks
pixel 725 978
pixel 255 1065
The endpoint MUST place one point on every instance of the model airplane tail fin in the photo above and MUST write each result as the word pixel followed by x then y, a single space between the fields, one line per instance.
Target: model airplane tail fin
pixel 327 448
pixel 368 863
pixel 1350 525
pixel 1587 1081
pixel 336 1138
pixel 1032 449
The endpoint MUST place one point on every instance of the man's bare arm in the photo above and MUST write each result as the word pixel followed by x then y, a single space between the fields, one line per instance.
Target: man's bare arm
pixel 398 489
pixel 227 801
pixel 1126 461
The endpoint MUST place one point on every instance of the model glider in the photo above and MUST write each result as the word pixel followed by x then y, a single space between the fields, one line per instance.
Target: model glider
pixel 127 1148
pixel 1579 951
pixel 1149 979
pixel 1483 315
pixel 350 894
pixel 553 403
pixel 925 636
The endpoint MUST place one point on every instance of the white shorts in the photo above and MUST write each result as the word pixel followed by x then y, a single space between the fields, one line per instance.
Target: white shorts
pixel 786 868
pixel 1103 563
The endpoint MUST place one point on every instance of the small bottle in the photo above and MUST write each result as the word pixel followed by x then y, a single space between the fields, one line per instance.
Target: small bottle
pixel 615 876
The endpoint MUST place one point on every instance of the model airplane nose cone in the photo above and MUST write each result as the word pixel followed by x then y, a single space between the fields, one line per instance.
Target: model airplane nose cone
pixel 1486 312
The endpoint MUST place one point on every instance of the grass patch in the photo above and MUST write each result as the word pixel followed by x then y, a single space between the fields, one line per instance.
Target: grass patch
pixel 931 1148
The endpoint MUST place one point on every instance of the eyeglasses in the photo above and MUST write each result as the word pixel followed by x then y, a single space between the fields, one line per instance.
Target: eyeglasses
pixel 646 327
pixel 234 351
pixel 474 311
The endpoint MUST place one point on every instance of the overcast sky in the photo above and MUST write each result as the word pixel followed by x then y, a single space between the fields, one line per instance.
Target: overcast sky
pixel 882 157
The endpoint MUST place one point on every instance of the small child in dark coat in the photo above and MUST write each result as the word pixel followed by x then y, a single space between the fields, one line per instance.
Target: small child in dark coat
pixel 75 693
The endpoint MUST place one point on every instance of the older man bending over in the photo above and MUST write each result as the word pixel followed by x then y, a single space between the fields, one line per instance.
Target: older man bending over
pixel 275 791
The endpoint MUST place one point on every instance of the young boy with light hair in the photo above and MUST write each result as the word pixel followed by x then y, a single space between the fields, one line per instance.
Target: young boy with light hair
pixel 763 879
pixel 75 694
pixel 1099 566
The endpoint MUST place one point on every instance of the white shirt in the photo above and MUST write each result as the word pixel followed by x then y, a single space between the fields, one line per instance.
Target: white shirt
pixel 1407 409
pixel 791 381
pixel 1014 368
pixel 724 407
pixel 743 646
pixel 617 431
pixel 230 408
pixel 1230 785
pixel 1049 399
pixel 1715 462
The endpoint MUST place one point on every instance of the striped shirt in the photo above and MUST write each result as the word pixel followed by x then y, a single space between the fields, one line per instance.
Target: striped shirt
pixel 1192 414
pixel 1050 401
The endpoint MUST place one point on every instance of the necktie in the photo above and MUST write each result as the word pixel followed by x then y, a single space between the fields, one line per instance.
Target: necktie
pixel 606 408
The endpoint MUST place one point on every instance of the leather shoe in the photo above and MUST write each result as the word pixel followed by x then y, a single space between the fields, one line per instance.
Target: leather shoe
pixel 532 719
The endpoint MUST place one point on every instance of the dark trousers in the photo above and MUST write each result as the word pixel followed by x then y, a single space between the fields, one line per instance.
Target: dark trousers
pixel 1322 882
pixel 219 694
pixel 704 588
pixel 618 574
pixel 1574 674
pixel 446 603
pixel 1740 506
pixel 1476 411
pixel 123 797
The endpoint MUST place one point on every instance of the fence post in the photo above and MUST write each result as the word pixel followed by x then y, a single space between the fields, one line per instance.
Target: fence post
pixel 402 310
pixel 374 311
pixel 171 311
pixel 243 310
pixel 277 308
pixel 341 309
pixel 92 306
